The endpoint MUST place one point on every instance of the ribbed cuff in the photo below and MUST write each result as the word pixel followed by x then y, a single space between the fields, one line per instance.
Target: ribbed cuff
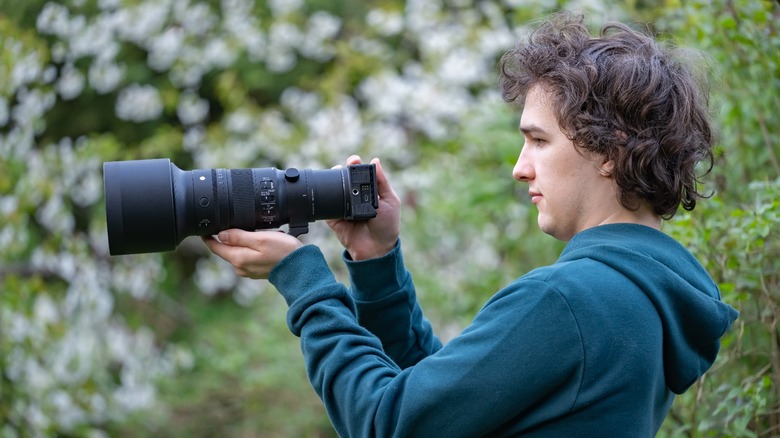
pixel 301 272
pixel 374 279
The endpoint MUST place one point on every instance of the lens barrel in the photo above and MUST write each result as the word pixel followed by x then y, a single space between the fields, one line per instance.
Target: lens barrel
pixel 152 205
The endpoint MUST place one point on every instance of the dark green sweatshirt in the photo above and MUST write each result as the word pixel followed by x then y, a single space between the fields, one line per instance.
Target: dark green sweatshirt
pixel 594 345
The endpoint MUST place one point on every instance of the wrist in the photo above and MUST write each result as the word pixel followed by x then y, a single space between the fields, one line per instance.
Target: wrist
pixel 371 252
pixel 378 277
pixel 302 271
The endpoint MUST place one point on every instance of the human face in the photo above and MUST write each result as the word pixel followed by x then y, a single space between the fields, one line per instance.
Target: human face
pixel 566 185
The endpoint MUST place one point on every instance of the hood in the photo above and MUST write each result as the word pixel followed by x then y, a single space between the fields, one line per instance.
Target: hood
pixel 693 316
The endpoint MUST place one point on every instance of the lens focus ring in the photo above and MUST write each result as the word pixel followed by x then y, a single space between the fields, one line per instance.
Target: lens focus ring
pixel 243 197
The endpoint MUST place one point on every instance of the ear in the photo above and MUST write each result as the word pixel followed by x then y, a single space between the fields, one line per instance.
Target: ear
pixel 606 167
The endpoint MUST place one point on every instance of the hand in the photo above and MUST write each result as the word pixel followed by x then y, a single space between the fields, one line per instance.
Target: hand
pixel 253 254
pixel 378 236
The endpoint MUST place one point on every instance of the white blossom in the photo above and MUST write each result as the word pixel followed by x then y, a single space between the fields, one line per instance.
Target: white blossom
pixel 73 353
pixel 239 122
pixel 274 124
pixel 109 4
pixel 247 291
pixel 283 38
pixel 8 205
pixel 281 8
pixel 71 82
pixel 69 414
pixel 389 140
pixel 194 138
pixel 422 15
pixel 4 113
pixel 195 18
pixel 134 395
pixel 321 27
pixel 138 23
pixel 26 69
pixel 54 19
pixel 495 41
pixel 16 326
pixel 88 189
pixel 45 310
pixel 213 276
pixel 219 53
pixel 192 108
pixel 542 4
pixel 280 61
pixel 31 106
pixel 104 76
pixel 338 130
pixel 386 93
pixel 187 75
pixel 385 22
pixel 138 277
pixel 139 103
pixel 38 377
pixel 463 68
pixel 49 74
pixel 255 43
pixel 59 52
pixel 55 216
pixel 165 49
pixel 96 39
pixel 301 103
pixel 240 22
pixel 443 40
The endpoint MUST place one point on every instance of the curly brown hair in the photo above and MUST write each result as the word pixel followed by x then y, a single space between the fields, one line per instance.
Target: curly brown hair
pixel 626 96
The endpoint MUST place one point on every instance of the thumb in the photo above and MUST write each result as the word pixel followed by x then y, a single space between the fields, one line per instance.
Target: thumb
pixel 234 237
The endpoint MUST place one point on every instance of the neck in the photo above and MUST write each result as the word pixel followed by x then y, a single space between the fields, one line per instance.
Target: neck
pixel 644 215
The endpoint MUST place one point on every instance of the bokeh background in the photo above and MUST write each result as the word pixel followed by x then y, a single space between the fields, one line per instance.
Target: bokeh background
pixel 174 344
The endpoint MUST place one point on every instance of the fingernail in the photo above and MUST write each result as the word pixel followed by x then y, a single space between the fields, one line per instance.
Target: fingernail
pixel 222 236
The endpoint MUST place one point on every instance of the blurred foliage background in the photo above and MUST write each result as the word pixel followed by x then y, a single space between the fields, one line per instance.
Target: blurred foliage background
pixel 175 344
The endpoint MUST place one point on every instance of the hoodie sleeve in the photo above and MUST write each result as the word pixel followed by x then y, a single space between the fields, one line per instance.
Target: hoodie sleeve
pixel 522 350
pixel 387 306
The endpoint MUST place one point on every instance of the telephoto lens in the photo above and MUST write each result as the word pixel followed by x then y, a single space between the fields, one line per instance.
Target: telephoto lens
pixel 152 205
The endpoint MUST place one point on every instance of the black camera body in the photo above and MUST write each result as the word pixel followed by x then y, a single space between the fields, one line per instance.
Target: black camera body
pixel 152 205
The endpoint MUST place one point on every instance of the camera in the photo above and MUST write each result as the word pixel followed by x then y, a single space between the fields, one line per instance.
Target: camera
pixel 152 205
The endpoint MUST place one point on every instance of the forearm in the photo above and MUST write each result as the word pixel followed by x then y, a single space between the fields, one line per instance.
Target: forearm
pixel 387 306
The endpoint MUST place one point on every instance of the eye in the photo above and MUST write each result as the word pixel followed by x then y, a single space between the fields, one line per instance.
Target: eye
pixel 531 140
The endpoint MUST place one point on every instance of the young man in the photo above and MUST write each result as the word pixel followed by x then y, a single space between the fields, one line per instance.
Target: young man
pixel 596 344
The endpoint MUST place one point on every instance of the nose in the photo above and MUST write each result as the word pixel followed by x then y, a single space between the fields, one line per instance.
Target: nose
pixel 524 170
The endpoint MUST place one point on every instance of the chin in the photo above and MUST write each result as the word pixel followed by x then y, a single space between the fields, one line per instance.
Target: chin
pixel 550 230
pixel 546 228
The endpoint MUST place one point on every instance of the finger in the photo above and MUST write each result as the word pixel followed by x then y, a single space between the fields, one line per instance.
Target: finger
pixel 224 251
pixel 333 222
pixel 239 237
pixel 383 184
pixel 235 244
pixel 354 159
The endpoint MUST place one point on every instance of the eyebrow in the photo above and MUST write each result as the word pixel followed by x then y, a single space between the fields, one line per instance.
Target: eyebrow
pixel 528 129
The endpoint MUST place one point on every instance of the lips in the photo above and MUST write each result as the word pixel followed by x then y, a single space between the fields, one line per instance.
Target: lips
pixel 536 197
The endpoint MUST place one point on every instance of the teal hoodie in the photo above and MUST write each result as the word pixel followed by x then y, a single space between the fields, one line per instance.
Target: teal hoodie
pixel 596 344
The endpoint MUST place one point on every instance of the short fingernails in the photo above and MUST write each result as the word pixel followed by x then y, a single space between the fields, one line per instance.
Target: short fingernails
pixel 223 236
